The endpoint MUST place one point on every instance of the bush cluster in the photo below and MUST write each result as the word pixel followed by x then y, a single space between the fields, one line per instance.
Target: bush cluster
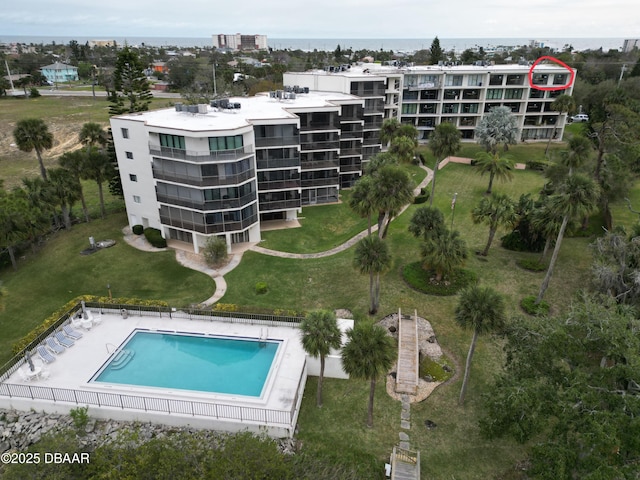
pixel 154 237
pixel 422 198
pixel 261 288
pixel 420 279
pixel 532 265
pixel 529 306
pixel 137 229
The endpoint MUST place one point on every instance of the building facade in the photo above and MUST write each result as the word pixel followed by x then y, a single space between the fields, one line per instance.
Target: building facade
pixel 223 169
pixel 425 96
pixel 239 41
pixel 60 73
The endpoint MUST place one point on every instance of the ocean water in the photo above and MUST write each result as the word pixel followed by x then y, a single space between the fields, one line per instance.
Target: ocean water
pixel 330 44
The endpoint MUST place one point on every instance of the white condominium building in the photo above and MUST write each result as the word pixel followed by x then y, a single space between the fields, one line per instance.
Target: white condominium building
pixel 238 41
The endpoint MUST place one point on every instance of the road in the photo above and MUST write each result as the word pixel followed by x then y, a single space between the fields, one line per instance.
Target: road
pixel 99 93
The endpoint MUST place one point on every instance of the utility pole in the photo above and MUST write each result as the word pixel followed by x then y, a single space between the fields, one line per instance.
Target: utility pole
pixel 622 70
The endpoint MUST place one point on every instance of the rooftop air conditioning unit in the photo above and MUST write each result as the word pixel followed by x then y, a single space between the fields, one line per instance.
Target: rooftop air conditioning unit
pixel 202 108
pixel 192 108
pixel 178 106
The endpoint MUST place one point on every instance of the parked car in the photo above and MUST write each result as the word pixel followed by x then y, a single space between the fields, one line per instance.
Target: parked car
pixel 581 117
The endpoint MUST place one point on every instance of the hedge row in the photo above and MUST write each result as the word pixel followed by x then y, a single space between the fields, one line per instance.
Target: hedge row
pixel 154 237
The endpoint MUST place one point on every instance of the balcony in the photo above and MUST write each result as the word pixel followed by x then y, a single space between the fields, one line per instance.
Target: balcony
pixel 209 229
pixel 278 163
pixel 204 181
pixel 321 145
pixel 288 184
pixel 200 156
pixel 280 204
pixel 225 204
pixel 277 141
pixel 321 182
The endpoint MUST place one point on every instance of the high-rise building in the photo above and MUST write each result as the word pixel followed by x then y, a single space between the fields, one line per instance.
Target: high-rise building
pixel 239 41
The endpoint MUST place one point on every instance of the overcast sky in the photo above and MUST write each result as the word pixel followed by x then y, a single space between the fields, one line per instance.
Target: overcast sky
pixel 325 18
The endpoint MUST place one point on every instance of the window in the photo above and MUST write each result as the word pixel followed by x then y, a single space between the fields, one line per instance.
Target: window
pixel 172 141
pixel 470 94
pixel 536 93
pixel 136 199
pixel 451 94
pixel 494 94
pixel 513 93
pixel 429 108
pixel 515 79
pixel 469 108
pixel 560 79
pixel 540 78
pixel 474 80
pixel 129 155
pixel 125 132
pixel 225 143
pixel 453 81
pixel 495 79
pixel 409 108
pixel 450 108
pixel 133 178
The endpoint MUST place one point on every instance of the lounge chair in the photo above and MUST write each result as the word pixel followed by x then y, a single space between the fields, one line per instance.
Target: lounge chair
pixel 45 355
pixel 71 333
pixel 64 341
pixel 54 346
pixel 23 376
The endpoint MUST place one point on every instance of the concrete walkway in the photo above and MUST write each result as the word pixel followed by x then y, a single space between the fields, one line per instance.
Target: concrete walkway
pixel 196 262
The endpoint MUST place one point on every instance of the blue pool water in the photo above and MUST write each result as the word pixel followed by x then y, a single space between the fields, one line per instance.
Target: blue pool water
pixel 191 362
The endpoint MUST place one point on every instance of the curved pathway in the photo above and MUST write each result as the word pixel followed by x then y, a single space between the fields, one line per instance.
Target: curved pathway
pixel 196 262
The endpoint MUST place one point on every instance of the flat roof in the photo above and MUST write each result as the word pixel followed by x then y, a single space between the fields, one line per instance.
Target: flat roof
pixel 253 110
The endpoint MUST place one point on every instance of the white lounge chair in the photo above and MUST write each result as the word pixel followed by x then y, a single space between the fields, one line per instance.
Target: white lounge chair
pixel 71 333
pixel 23 376
pixel 45 355
pixel 64 341
pixel 54 346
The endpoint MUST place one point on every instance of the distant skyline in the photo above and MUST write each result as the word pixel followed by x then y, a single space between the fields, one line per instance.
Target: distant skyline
pixel 324 19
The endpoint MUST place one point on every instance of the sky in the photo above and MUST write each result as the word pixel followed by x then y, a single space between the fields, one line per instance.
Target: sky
pixel 325 18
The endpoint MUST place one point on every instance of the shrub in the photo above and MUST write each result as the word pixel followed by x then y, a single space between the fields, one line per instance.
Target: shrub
pixel 531 264
pixel 154 237
pixel 80 417
pixel 528 304
pixel 34 92
pixel 137 229
pixel 436 370
pixel 261 288
pixel 537 164
pixel 420 279
pixel 215 251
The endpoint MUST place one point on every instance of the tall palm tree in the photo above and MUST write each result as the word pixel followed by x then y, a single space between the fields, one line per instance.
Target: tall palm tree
pixel 75 162
pixel 444 253
pixel 496 166
pixel 427 223
pixel 392 190
pixel 12 224
pixel 482 310
pixel 564 104
pixel 33 134
pixel 372 256
pixel 320 334
pixel 404 148
pixel 496 210
pixel 64 189
pixel 444 142
pixel 388 130
pixel 368 354
pixel 576 198
pixel 92 135
pixel 361 201
pixel 99 168
pixel 580 149
pixel 548 222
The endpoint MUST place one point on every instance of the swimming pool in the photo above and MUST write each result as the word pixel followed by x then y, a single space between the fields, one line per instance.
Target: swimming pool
pixel 226 365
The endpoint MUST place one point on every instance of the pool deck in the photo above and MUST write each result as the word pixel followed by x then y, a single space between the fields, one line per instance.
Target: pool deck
pixel 74 368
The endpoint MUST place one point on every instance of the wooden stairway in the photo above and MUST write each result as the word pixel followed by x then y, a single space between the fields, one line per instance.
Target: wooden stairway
pixel 405 464
pixel 408 354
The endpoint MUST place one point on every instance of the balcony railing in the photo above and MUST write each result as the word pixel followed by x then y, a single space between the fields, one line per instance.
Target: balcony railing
pixel 277 141
pixel 204 181
pixel 225 204
pixel 200 156
pixel 321 182
pixel 225 226
pixel 325 145
pixel 320 164
pixel 279 185
pixel 348 134
pixel 278 163
pixel 280 204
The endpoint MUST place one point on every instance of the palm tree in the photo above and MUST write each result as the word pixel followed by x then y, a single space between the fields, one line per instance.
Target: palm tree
pixel 320 334
pixel 483 310
pixel 548 222
pixel 580 149
pixel 404 148
pixel 33 134
pixel 361 201
pixel 392 190
pixel 427 223
pixel 498 127
pixel 368 354
pixel 372 256
pixel 98 167
pixel 444 142
pixel 444 253
pixel 577 197
pixel 496 166
pixel 64 189
pixel 92 134
pixel 496 210
pixel 388 130
pixel 75 162
pixel 564 104
pixel 12 224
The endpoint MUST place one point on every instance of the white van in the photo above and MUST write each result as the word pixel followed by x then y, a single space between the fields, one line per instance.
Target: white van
pixel 581 117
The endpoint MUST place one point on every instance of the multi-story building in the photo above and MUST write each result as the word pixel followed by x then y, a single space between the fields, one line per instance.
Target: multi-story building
pixel 239 41
pixel 425 96
pixel 195 171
